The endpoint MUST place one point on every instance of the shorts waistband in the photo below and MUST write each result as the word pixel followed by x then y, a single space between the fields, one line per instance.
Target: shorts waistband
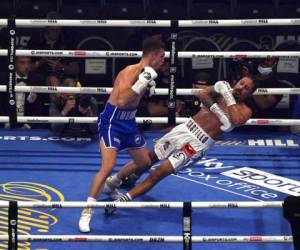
pixel 118 113
pixel 197 131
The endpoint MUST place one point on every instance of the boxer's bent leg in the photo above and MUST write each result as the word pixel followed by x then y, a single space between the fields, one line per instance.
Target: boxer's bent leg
pixel 162 171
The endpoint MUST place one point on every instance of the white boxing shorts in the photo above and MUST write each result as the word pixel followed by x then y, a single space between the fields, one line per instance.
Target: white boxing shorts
pixel 183 145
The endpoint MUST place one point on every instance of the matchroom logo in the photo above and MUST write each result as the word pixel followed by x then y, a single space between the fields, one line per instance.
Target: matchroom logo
pixel 264 179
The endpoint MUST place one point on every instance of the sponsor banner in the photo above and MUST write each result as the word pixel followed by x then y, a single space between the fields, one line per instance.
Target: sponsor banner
pixel 265 179
pixel 46 53
pixel 142 22
pixel 209 172
pixel 122 54
pixel 254 21
pixel 204 22
pixel 287 143
pixel 260 143
pixel 42 138
pixel 93 22
pixel 43 21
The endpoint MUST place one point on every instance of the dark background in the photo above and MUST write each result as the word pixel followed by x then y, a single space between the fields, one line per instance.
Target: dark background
pixel 120 38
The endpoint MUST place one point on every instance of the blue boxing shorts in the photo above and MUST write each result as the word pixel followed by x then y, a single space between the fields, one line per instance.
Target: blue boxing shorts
pixel 118 129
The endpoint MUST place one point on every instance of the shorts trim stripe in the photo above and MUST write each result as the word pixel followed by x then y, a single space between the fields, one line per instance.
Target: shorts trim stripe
pixel 128 148
pixel 109 137
pixel 99 122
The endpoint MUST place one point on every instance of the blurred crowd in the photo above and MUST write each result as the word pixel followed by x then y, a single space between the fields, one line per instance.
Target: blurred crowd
pixel 66 72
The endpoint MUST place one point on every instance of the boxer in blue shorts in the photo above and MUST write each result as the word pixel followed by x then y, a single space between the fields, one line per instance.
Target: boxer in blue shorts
pixel 117 127
pixel 223 109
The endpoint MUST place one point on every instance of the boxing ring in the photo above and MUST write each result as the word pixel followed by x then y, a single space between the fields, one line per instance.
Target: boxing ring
pixel 233 196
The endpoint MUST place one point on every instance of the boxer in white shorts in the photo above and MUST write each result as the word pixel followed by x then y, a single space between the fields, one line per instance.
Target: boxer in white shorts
pixel 223 109
pixel 183 145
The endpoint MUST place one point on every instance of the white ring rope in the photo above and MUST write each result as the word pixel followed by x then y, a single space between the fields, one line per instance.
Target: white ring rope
pixel 143 204
pixel 155 238
pixel 238 22
pixel 77 53
pixel 144 120
pixel 138 54
pixel 76 90
pixel 149 238
pixel 158 91
pixel 4 119
pixel 238 54
pixel 151 23
pixel 92 23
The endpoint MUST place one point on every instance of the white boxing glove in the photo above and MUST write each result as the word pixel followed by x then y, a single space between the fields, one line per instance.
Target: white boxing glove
pixel 151 88
pixel 226 126
pixel 144 80
pixel 223 88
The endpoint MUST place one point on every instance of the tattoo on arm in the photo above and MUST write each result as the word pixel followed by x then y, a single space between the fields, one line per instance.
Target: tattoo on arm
pixel 208 96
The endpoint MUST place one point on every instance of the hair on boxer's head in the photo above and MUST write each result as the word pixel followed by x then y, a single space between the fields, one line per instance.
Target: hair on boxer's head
pixel 152 43
pixel 255 81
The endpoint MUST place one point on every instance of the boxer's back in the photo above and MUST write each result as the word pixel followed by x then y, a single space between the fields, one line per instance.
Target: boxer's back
pixel 124 80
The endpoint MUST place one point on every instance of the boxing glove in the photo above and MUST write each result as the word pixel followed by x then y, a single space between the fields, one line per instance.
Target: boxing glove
pixel 151 88
pixel 145 80
pixel 224 89
pixel 226 126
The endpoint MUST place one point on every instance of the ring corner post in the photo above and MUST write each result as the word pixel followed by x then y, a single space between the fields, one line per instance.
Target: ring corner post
pixel 173 72
pixel 11 77
pixel 187 226
pixel 13 226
